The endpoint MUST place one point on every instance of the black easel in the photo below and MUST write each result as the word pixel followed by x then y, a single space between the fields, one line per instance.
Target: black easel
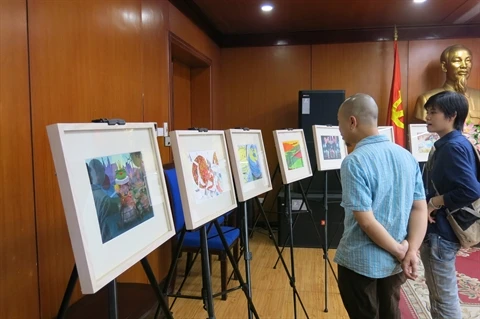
pixel 206 280
pixel 275 172
pixel 326 246
pixel 247 254
pixel 297 214
pixel 207 294
pixel 291 276
pixel 112 294
pixel 323 241
pixel 288 215
pixel 190 263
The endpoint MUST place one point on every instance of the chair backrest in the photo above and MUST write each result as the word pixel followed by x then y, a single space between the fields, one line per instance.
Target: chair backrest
pixel 176 201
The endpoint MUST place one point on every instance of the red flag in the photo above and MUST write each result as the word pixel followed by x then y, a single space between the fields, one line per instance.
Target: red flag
pixel 395 108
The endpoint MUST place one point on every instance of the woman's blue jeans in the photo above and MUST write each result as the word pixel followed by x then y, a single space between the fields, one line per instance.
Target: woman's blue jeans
pixel 438 257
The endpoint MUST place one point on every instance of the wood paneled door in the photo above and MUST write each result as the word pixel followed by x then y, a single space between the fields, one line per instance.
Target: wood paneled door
pixel 191 87
pixel 182 101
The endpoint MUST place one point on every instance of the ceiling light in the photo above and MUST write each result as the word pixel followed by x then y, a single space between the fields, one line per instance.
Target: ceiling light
pixel 267 8
pixel 419 1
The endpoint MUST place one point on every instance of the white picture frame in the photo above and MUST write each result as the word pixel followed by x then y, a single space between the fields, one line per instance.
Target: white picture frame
pixel 421 141
pixel 112 224
pixel 249 163
pixel 330 148
pixel 291 144
pixel 388 132
pixel 210 192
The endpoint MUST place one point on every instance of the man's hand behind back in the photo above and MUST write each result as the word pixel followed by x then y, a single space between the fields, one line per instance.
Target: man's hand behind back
pixel 410 264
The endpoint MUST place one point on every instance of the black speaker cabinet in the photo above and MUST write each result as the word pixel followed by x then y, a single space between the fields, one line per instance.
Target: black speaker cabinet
pixel 304 234
pixel 318 108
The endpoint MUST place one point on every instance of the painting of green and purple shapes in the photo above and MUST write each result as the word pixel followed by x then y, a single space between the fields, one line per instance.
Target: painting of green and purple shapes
pixel 293 154
pixel 120 192
pixel 249 163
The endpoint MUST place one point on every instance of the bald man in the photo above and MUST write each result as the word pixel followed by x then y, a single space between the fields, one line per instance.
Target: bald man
pixel 385 215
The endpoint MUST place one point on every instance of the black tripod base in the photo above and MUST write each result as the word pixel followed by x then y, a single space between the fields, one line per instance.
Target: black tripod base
pixel 134 301
pixel 105 302
pixel 290 273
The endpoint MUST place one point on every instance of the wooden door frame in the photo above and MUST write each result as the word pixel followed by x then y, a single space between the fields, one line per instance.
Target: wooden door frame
pixel 190 56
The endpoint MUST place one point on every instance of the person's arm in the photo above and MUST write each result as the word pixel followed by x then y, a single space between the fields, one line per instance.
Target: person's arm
pixel 417 227
pixel 379 235
pixel 465 188
pixel 357 196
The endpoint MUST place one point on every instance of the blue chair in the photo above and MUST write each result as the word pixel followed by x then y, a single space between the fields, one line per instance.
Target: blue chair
pixel 191 243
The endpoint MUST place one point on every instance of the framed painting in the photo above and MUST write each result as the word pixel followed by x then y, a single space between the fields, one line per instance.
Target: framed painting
pixel 292 155
pixel 421 141
pixel 114 196
pixel 204 175
pixel 387 131
pixel 249 163
pixel 330 147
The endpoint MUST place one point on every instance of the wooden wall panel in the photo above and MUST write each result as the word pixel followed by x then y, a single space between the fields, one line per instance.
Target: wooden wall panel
pixel 424 68
pixel 86 62
pixel 360 68
pixel 155 109
pixel 156 80
pixel 260 88
pixel 354 67
pixel 18 260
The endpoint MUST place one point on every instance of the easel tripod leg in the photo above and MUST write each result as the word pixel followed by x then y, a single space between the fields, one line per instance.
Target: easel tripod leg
pixel 207 282
pixel 286 240
pixel 162 304
pixel 112 300
pixel 285 267
pixel 325 232
pixel 288 211
pixel 235 268
pixel 68 293
pixel 247 256
pixel 173 264
pixel 277 169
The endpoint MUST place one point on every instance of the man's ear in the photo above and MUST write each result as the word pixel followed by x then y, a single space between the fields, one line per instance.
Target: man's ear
pixel 353 122
pixel 444 66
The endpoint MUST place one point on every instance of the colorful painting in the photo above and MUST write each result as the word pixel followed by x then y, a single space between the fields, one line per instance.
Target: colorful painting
pixel 120 193
pixel 207 175
pixel 331 147
pixel 249 164
pixel 293 154
pixel 426 141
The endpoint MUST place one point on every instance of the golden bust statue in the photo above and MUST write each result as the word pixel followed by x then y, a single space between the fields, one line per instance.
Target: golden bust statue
pixel 456 62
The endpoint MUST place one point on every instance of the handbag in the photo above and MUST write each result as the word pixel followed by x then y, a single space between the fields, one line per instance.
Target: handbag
pixel 468 235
